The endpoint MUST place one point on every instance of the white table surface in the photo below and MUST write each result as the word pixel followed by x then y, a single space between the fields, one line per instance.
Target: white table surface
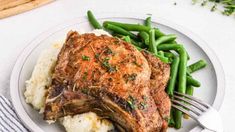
pixel 217 30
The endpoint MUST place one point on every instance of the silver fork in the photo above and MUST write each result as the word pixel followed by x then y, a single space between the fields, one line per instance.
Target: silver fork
pixel 200 111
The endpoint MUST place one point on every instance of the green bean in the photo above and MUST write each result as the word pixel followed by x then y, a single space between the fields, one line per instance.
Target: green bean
pixel 196 66
pixel 166 38
pixel 93 20
pixel 193 82
pixel 148 22
pixel 173 42
pixel 128 27
pixel 178 119
pixel 173 75
pixel 158 33
pixel 169 54
pixel 136 43
pixel 181 75
pixel 145 37
pixel 152 46
pixel 134 27
pixel 161 53
pixel 171 122
pixel 167 47
pixel 188 57
pixel 127 39
pixel 120 30
pixel 189 90
pixel 162 58
pixel 182 71
pixel 183 63
pixel 182 81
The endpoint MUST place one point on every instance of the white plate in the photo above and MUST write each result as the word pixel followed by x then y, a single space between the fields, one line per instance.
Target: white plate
pixel 211 77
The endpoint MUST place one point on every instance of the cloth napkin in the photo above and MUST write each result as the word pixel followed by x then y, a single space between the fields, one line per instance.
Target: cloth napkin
pixel 9 121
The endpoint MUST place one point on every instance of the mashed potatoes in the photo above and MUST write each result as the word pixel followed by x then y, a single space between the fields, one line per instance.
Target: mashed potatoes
pixel 37 85
pixel 87 122
pixel 41 77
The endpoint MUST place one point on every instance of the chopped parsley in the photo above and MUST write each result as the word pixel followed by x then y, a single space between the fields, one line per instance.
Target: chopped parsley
pixel 131 102
pixel 143 105
pixel 84 57
pixel 129 77
pixel 85 76
pixel 97 56
pixel 108 51
pixel 137 64
pixel 106 64
pixel 84 90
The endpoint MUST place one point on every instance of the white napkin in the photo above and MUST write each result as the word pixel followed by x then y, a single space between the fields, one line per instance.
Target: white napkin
pixel 9 121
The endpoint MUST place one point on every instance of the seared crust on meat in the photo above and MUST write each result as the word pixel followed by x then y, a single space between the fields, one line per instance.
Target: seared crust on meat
pixel 110 77
pixel 158 81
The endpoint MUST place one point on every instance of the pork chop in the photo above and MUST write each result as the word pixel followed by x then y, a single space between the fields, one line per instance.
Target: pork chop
pixel 107 76
pixel 158 81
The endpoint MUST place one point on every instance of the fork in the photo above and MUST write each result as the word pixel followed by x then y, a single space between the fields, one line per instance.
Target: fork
pixel 200 111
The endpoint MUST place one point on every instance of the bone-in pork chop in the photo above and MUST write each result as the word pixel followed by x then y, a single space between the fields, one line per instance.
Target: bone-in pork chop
pixel 110 77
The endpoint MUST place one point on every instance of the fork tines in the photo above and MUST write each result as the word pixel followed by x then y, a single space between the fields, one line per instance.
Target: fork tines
pixel 189 105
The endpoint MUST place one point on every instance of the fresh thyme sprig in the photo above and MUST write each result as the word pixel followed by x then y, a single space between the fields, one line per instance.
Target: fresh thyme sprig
pixel 229 5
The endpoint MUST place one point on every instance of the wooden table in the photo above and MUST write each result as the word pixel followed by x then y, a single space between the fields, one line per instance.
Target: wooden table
pixel 13 7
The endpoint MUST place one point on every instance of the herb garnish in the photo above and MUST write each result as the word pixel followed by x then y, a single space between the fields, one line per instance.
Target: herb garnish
pixel 85 76
pixel 84 90
pixel 229 5
pixel 106 64
pixel 143 105
pixel 129 77
pixel 131 102
pixel 84 57
pixel 97 56
pixel 213 8
pixel 204 3
pixel 135 62
pixel 108 51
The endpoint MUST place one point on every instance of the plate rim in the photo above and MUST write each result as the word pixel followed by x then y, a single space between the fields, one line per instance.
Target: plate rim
pixel 219 97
